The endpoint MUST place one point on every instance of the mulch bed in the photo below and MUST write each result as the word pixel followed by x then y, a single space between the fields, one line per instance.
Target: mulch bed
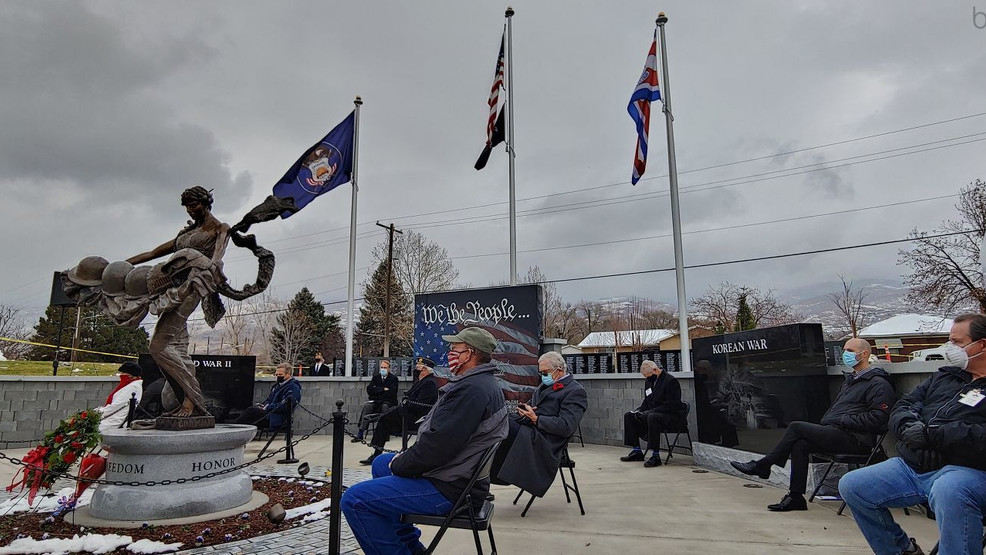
pixel 240 527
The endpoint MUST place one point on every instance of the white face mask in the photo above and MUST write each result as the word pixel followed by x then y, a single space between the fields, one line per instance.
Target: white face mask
pixel 957 356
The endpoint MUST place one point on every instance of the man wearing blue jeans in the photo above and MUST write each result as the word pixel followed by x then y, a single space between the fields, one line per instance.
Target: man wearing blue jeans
pixel 469 418
pixel 941 431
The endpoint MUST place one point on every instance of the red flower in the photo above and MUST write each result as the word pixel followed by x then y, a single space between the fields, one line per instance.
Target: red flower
pixel 556 386
pixel 69 457
pixel 84 414
pixel 59 438
pixel 76 445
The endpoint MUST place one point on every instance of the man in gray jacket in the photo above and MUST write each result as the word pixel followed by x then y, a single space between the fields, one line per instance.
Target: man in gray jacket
pixel 469 417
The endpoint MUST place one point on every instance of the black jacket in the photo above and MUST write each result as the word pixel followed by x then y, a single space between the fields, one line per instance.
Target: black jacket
pixel 376 386
pixel 665 395
pixel 863 405
pixel 421 397
pixel 957 432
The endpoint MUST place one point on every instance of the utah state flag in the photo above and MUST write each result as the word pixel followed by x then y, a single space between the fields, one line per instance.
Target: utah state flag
pixel 323 167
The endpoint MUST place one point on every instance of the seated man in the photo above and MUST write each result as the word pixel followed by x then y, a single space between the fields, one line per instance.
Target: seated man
pixel 530 455
pixel 858 414
pixel 660 410
pixel 941 442
pixel 381 395
pixel 469 418
pixel 275 408
pixel 117 406
pixel 417 402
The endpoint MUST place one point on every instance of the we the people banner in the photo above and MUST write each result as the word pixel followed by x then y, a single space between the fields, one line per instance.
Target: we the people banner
pixel 511 313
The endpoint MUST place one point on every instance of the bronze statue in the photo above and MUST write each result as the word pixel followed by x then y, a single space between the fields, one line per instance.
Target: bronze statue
pixel 173 289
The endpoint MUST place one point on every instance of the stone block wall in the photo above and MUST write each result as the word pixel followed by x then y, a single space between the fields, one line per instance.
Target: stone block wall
pixel 33 405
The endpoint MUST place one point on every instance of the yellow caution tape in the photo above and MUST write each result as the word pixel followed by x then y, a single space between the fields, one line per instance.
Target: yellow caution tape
pixel 12 340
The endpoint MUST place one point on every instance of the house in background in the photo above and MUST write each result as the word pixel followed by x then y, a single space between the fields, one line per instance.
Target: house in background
pixel 894 339
pixel 629 341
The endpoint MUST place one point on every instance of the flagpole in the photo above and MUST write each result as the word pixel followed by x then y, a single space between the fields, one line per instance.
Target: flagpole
pixel 350 322
pixel 679 264
pixel 511 153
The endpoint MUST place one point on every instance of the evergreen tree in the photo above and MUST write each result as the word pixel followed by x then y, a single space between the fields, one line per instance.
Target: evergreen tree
pixel 372 316
pixel 744 315
pixel 96 333
pixel 303 329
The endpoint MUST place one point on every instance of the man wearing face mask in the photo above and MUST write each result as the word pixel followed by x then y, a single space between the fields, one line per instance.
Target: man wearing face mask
pixel 381 396
pixel 851 424
pixel 941 443
pixel 660 409
pixel 417 402
pixel 469 418
pixel 530 455
pixel 276 405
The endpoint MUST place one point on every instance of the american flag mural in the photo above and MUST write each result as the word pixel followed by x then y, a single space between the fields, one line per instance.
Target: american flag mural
pixel 646 92
pixel 511 314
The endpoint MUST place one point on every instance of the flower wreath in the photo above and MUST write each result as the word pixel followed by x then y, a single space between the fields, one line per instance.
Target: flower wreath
pixel 56 453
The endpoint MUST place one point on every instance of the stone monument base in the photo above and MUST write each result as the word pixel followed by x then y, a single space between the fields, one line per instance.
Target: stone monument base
pixel 139 456
pixel 184 423
pixel 83 517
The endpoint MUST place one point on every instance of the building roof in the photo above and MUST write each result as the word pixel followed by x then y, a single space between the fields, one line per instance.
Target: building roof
pixel 599 339
pixel 904 325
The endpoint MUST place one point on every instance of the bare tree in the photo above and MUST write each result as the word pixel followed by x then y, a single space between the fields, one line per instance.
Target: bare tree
pixel 946 272
pixel 419 264
pixel 291 333
pixel 719 304
pixel 237 328
pixel 13 326
pixel 849 302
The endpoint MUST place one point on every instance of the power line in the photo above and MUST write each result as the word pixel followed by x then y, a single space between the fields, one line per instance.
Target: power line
pixel 760 258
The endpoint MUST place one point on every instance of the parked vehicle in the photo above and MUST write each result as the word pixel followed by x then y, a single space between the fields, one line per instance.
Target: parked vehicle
pixel 937 353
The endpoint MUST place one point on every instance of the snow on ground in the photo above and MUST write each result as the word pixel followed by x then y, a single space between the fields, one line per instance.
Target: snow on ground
pixel 308 510
pixel 45 504
pixel 91 543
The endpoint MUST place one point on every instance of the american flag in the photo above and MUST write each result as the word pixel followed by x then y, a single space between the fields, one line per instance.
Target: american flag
pixel 516 357
pixel 494 100
pixel 639 108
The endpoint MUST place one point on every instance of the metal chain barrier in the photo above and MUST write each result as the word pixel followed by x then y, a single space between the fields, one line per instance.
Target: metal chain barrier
pixel 350 434
pixel 68 476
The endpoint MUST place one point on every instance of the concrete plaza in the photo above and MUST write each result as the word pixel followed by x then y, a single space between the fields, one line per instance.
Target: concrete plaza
pixel 630 509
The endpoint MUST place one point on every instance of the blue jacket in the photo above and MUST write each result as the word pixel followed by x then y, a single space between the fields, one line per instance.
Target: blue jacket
pixel 276 404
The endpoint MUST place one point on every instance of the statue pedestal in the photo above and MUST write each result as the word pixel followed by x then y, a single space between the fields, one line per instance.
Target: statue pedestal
pixel 156 455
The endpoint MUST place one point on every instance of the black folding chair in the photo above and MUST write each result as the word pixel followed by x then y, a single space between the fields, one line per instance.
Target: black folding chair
pixel 577 434
pixel 565 462
pixel 463 515
pixel 682 429
pixel 878 453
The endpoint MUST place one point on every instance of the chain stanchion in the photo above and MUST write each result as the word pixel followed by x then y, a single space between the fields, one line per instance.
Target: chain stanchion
pixel 131 410
pixel 289 448
pixel 335 516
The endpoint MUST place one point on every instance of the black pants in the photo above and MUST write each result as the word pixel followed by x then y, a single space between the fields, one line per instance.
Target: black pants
pixel 251 415
pixel 649 426
pixel 390 423
pixel 801 439
pixel 370 408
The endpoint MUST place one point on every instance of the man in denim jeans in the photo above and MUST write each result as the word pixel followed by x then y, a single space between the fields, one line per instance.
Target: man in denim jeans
pixel 469 418
pixel 941 432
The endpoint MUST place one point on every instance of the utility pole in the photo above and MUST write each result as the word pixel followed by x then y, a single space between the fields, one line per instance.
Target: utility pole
pixel 390 278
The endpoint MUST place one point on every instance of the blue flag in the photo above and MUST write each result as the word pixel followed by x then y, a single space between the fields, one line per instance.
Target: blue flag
pixel 323 167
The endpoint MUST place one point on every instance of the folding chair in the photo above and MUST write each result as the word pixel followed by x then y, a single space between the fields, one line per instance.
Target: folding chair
pixel 577 434
pixel 683 429
pixel 565 462
pixel 463 515
pixel 859 461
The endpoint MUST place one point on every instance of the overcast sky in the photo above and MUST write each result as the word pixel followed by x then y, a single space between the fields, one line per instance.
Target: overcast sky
pixel 110 109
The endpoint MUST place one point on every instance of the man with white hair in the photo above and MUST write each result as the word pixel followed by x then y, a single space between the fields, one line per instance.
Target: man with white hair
pixel 530 455
pixel 660 410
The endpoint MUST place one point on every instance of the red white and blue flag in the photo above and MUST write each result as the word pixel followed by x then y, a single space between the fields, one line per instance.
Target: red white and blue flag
pixel 495 129
pixel 646 92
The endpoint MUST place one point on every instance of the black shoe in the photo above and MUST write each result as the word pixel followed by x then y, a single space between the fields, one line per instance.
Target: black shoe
pixel 369 460
pixel 491 497
pixel 635 456
pixel 752 468
pixel 790 502
pixel 654 460
pixel 915 549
